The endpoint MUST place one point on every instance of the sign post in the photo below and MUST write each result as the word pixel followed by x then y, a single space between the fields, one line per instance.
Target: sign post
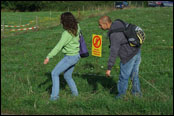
pixel 97 45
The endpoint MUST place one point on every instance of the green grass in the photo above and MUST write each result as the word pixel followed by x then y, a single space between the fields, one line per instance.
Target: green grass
pixel 26 81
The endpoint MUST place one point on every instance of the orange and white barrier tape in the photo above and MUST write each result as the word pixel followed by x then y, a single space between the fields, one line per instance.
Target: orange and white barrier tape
pixel 18 26
pixel 22 29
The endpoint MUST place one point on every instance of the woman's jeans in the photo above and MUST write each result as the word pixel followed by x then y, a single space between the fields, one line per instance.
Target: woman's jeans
pixel 130 69
pixel 66 65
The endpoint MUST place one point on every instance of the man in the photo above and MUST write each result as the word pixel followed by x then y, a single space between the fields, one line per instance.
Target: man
pixel 129 57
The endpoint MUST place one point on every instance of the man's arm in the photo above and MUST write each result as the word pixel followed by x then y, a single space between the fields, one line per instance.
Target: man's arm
pixel 115 41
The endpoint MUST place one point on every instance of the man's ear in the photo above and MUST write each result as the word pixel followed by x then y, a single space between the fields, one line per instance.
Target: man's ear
pixel 107 25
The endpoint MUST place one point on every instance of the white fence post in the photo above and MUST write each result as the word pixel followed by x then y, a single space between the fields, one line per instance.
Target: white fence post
pixel 50 14
pixel 20 20
pixel 83 8
pixel 3 29
pixel 114 5
pixel 36 21
pixel 129 3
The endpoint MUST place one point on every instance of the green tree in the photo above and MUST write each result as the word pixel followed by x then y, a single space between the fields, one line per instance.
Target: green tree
pixel 28 6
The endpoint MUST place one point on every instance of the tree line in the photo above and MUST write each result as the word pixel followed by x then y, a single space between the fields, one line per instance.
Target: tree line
pixel 23 6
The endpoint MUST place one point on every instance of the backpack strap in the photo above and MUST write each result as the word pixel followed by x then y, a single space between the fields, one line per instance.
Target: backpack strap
pixel 115 30
pixel 121 22
pixel 118 29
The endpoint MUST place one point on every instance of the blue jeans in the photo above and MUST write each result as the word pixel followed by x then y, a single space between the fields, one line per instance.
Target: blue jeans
pixel 66 65
pixel 130 69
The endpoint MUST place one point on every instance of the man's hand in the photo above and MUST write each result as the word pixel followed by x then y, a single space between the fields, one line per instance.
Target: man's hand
pixel 108 73
pixel 46 60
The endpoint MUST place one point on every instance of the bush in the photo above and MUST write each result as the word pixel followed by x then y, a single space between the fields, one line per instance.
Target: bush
pixel 50 5
pixel 22 5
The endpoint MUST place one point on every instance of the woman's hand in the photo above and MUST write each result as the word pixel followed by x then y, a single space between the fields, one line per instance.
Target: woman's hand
pixel 108 73
pixel 46 61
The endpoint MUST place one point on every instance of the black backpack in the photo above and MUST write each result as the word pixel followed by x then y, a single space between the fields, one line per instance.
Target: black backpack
pixel 134 34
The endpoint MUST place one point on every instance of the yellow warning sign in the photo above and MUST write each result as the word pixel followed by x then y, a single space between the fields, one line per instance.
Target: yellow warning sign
pixel 97 45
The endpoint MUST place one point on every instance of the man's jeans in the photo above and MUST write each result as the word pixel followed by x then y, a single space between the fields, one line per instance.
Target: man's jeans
pixel 130 69
pixel 66 65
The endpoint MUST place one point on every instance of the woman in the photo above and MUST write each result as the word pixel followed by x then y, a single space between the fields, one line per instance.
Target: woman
pixel 69 44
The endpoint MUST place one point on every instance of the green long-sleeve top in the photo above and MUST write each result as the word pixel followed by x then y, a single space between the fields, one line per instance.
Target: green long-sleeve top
pixel 69 44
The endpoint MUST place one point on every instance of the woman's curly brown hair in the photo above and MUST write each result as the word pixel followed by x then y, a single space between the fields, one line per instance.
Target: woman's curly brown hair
pixel 69 23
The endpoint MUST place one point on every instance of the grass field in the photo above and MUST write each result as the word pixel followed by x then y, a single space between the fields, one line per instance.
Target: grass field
pixel 26 81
